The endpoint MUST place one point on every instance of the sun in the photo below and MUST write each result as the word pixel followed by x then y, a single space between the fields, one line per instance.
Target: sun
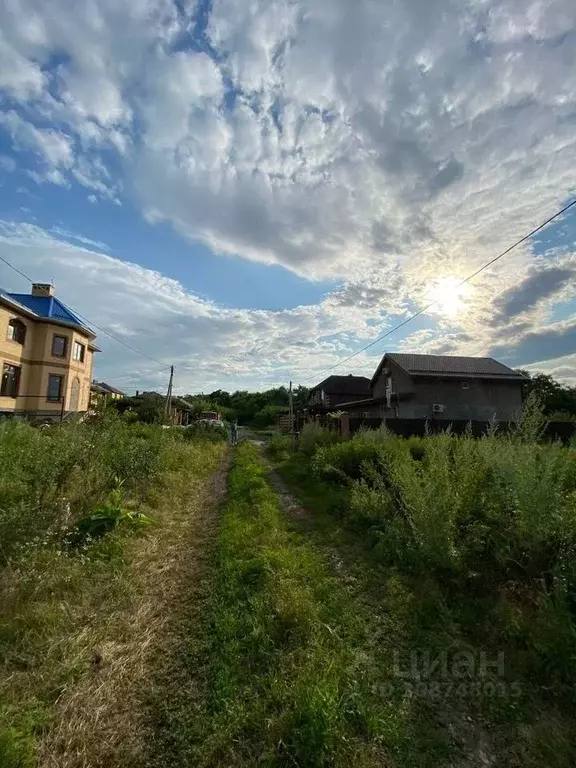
pixel 449 295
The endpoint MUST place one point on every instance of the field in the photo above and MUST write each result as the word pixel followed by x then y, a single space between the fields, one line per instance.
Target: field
pixel 378 602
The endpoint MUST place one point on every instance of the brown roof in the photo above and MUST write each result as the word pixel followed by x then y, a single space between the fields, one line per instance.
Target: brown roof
pixel 108 388
pixel 446 366
pixel 345 385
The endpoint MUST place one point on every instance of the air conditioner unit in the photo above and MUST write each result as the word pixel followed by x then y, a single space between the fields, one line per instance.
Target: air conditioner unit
pixel 437 408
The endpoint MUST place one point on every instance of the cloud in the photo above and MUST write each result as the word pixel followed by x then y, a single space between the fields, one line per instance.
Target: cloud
pixel 7 164
pixel 555 341
pixel 383 144
pixel 56 149
pixel 210 345
pixel 540 284
pixel 19 76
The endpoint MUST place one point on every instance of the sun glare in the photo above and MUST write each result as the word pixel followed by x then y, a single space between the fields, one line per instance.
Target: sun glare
pixel 449 295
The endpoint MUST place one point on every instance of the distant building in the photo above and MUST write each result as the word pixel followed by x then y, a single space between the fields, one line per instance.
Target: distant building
pixel 441 387
pixel 338 389
pixel 101 391
pixel 46 355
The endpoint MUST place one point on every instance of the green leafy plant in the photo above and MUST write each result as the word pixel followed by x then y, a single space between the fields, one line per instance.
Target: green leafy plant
pixel 108 516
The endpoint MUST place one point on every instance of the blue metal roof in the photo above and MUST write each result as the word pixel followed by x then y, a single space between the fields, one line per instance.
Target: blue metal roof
pixel 46 306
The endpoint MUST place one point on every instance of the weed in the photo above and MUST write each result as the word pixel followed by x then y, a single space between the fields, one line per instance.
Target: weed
pixel 313 436
pixel 481 535
pixel 279 446
pixel 204 430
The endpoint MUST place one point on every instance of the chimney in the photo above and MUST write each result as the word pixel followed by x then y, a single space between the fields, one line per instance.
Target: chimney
pixel 42 289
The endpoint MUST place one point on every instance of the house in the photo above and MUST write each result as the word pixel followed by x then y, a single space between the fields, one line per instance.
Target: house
pixel 440 387
pixel 46 355
pixel 102 391
pixel 338 389
pixel 180 412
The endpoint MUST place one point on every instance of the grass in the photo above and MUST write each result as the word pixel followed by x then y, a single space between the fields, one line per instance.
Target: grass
pixel 464 546
pixel 282 663
pixel 77 623
pixel 419 613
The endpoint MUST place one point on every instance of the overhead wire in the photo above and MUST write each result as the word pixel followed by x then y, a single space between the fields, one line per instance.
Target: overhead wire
pixel 433 303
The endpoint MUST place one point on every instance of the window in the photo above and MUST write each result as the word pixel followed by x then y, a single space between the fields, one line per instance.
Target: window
pixel 54 387
pixel 16 331
pixel 465 385
pixel 59 346
pixel 79 351
pixel 10 381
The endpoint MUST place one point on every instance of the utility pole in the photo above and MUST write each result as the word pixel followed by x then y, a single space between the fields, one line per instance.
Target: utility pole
pixel 168 406
pixel 291 407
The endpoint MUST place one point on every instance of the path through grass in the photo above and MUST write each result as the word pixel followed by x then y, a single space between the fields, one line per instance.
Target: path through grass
pixel 290 669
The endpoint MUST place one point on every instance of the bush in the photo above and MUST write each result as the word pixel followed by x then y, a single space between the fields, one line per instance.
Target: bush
pixel 279 446
pixel 51 477
pixel 206 432
pixel 313 436
pixel 343 462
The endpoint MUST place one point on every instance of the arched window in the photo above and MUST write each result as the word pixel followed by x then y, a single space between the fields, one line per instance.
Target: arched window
pixel 16 331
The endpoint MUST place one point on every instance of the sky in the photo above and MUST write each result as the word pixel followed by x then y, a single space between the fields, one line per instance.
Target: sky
pixel 253 191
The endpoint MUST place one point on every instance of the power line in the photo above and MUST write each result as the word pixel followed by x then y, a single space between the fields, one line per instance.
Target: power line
pixel 87 320
pixel 462 282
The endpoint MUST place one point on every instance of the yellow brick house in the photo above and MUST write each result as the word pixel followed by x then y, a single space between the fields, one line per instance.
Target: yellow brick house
pixel 46 355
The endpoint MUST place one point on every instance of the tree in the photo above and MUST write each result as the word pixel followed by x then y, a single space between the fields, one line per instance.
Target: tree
pixel 148 407
pixel 554 396
pixel 251 408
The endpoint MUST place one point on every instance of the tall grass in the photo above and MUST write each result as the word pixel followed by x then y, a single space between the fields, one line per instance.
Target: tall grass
pixel 487 525
pixel 51 477
pixel 58 602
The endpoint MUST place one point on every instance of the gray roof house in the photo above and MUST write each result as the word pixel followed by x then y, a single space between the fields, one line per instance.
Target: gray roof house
pixel 338 389
pixel 408 386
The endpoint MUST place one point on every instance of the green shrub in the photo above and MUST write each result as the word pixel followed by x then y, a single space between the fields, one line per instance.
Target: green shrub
pixel 207 432
pixel 279 446
pixel 313 436
pixel 343 462
pixel 50 477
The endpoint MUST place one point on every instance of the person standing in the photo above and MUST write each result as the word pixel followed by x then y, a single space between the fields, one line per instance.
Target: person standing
pixel 234 432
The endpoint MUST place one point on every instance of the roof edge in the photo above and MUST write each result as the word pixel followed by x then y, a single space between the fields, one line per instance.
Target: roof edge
pixel 7 299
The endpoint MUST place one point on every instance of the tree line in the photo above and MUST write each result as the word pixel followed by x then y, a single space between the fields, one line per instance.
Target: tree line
pixel 251 409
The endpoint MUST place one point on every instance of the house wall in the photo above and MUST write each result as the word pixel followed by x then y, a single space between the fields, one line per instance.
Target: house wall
pixel 401 382
pixel 336 399
pixel 413 397
pixel 36 362
pixel 370 411
pixel 482 401
pixel 13 353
